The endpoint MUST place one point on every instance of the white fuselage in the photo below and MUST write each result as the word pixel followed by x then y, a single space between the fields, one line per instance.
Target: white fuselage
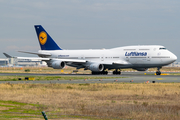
pixel 126 57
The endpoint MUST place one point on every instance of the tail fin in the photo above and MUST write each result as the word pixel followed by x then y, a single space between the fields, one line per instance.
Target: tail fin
pixel 45 40
pixel 8 56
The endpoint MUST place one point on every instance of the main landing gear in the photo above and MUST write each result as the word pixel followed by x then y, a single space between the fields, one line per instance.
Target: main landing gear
pixel 158 72
pixel 116 72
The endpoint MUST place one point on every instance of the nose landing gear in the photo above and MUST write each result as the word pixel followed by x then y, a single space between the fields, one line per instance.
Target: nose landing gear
pixel 158 72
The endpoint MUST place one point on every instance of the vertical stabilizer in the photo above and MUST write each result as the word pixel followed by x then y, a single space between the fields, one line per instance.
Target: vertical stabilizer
pixel 8 56
pixel 45 40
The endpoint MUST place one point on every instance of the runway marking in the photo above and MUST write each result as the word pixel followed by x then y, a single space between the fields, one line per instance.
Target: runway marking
pixel 159 78
pixel 162 74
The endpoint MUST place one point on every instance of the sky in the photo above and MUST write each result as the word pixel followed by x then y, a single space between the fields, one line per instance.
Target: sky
pixel 89 24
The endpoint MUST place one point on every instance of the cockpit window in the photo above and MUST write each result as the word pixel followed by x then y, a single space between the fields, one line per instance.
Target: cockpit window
pixel 162 48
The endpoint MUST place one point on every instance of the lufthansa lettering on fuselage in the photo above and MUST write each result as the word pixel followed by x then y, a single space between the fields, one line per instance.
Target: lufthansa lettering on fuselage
pixel 60 56
pixel 136 54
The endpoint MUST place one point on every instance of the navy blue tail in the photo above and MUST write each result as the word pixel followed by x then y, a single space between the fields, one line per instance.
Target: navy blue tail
pixel 45 41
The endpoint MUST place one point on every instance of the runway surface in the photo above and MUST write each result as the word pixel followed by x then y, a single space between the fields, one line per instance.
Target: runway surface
pixel 135 77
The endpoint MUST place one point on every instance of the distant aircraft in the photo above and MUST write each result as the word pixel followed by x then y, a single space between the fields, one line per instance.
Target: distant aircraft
pixel 10 65
pixel 8 56
pixel 99 61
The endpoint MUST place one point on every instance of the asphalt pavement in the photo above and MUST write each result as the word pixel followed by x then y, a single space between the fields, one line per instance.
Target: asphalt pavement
pixel 133 77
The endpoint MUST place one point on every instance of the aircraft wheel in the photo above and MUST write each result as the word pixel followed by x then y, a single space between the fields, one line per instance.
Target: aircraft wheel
pixel 119 72
pixel 116 72
pixel 158 73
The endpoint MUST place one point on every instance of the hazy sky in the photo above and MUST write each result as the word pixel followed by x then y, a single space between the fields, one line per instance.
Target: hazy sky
pixel 88 24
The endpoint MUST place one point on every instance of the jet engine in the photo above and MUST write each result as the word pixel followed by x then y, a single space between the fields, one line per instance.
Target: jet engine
pixel 96 67
pixel 141 69
pixel 58 64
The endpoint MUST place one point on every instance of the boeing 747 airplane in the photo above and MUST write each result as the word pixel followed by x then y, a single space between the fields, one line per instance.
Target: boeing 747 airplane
pixel 99 61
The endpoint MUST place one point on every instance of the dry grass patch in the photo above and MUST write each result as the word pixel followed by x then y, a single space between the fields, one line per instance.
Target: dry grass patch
pixel 43 70
pixel 111 100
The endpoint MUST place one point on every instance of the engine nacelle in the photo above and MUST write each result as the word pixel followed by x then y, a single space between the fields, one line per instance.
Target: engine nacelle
pixel 58 64
pixel 141 69
pixel 96 67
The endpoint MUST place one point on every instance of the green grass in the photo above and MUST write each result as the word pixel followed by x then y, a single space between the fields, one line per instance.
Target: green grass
pixel 174 73
pixel 18 110
pixel 14 109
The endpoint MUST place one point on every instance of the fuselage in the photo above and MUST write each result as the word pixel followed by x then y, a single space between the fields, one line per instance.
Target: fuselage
pixel 145 56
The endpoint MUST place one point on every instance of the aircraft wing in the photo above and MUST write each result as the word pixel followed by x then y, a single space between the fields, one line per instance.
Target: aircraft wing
pixel 36 53
pixel 118 62
pixel 33 58
pixel 47 59
pixel 121 62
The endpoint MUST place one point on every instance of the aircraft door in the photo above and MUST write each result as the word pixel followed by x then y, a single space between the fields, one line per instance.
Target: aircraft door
pixel 127 58
pixel 148 57
pixel 102 57
pixel 82 57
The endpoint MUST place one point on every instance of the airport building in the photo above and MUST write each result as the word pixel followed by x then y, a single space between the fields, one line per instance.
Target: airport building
pixel 174 64
pixel 3 62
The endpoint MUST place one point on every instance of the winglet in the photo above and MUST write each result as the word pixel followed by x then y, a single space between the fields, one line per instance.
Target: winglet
pixel 45 40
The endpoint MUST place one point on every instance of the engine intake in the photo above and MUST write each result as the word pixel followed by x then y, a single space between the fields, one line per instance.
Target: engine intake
pixel 58 64
pixel 96 67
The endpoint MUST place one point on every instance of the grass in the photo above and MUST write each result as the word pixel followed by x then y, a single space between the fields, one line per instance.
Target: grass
pixel 42 70
pixel 16 78
pixel 67 70
pixel 12 109
pixel 158 101
pixel 174 74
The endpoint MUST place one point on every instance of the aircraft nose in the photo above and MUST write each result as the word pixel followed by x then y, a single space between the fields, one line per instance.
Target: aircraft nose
pixel 173 57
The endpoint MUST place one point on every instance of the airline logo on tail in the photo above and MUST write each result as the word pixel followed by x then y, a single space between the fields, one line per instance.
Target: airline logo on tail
pixel 42 38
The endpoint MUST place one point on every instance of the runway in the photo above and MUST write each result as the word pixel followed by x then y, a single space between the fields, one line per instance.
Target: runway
pixel 133 77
